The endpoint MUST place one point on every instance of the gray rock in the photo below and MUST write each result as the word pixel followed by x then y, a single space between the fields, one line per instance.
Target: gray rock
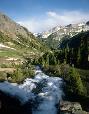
pixel 81 112
pixel 70 107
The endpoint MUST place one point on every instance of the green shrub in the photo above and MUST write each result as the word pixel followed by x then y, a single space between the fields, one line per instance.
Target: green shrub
pixel 52 70
pixel 74 82
pixel 17 75
pixel 3 76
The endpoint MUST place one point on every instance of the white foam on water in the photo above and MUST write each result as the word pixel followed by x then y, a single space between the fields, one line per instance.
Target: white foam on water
pixel 14 90
pixel 45 91
pixel 50 94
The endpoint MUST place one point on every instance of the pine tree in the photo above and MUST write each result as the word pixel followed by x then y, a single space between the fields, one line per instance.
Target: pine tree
pixel 78 57
pixel 76 82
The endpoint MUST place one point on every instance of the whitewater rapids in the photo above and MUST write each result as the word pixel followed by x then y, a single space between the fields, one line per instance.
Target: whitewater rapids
pixel 45 92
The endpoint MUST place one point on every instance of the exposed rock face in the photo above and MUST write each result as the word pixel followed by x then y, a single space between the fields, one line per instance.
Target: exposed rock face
pixel 81 112
pixel 12 105
pixel 67 107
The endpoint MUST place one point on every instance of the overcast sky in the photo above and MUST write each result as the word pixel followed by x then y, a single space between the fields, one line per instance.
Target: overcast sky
pixel 41 15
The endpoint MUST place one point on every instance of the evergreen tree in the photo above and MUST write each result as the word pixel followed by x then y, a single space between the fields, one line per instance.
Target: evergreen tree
pixel 78 57
pixel 76 85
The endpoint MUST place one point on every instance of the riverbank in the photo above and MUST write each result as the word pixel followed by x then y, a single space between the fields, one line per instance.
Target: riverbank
pixel 12 105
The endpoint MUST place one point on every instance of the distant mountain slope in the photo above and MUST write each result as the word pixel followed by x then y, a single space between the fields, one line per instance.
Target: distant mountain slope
pixel 16 41
pixel 75 41
pixel 76 50
pixel 53 36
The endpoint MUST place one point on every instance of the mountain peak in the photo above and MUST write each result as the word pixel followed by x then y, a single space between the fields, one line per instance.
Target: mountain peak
pixel 76 28
pixel 4 17
pixel 10 27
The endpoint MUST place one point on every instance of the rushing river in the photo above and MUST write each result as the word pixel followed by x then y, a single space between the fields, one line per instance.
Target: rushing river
pixel 44 91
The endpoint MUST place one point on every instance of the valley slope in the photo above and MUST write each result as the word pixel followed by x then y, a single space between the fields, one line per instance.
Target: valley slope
pixel 16 42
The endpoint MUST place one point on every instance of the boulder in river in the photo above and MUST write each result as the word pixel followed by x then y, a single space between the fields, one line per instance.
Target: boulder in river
pixel 70 107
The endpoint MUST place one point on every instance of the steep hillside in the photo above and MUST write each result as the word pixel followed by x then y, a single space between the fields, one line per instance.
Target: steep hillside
pixel 76 50
pixel 11 28
pixel 75 41
pixel 17 42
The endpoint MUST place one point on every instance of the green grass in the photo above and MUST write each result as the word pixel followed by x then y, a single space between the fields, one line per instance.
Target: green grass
pixel 9 53
pixel 84 73
pixel 24 47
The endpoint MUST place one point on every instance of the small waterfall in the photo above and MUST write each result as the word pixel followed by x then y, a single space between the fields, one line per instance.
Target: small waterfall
pixel 44 91
pixel 50 95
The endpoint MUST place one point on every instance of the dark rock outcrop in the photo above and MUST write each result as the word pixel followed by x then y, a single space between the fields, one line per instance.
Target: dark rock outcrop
pixel 67 107
pixel 12 105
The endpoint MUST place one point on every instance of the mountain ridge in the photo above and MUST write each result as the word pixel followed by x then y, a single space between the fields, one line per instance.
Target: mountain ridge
pixel 52 37
pixel 77 26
